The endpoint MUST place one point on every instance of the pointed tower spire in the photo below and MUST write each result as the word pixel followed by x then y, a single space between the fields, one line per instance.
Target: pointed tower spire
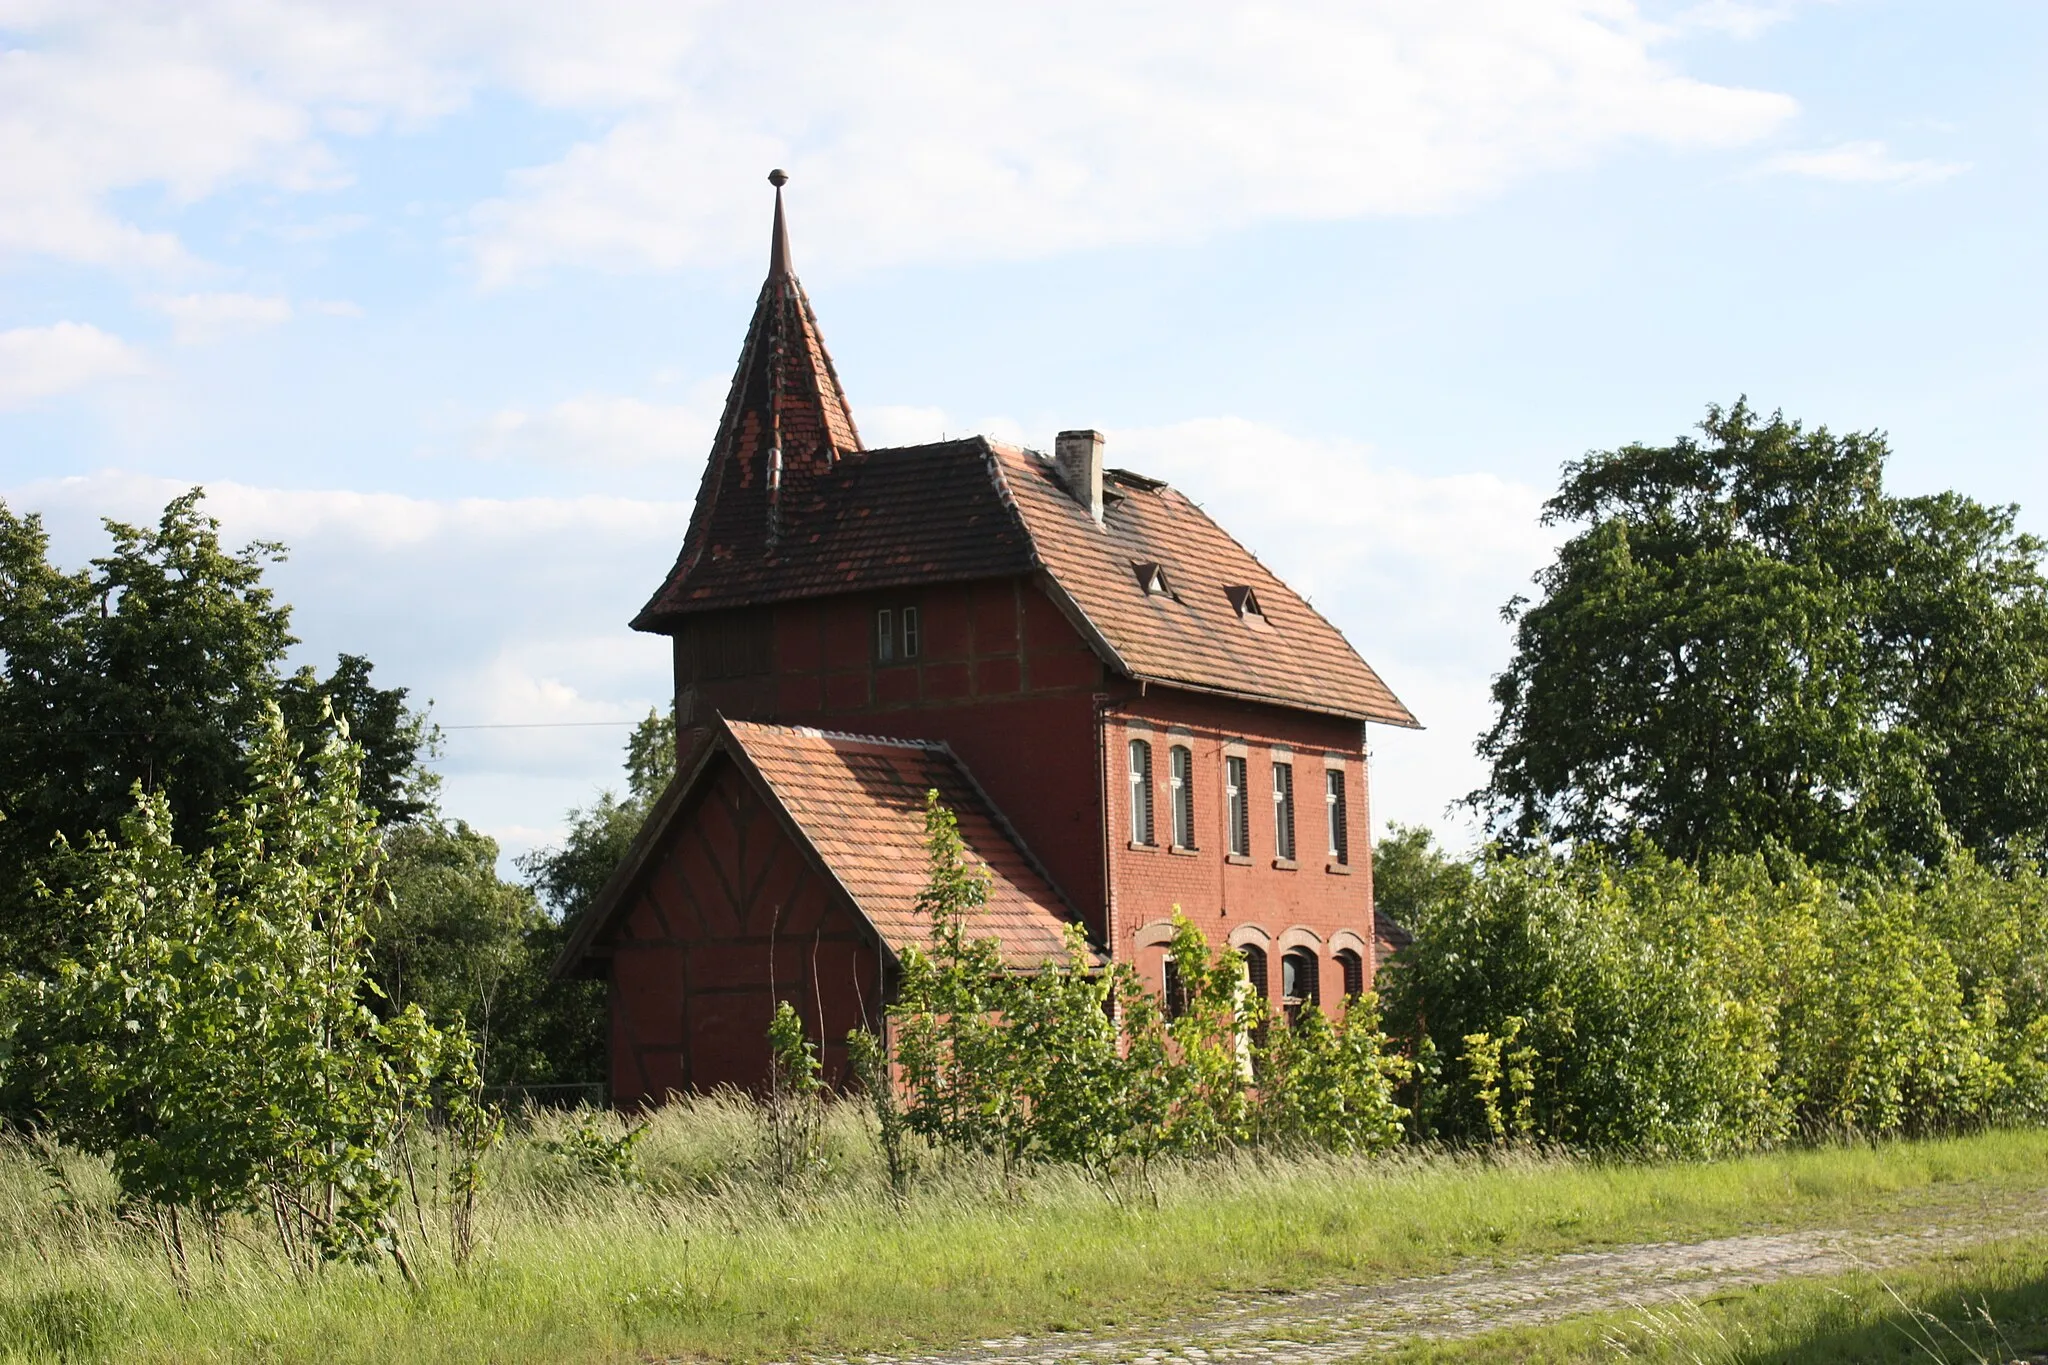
pixel 787 425
pixel 778 247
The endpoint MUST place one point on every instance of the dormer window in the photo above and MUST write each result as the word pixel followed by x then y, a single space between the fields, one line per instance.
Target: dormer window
pixel 1245 603
pixel 1152 578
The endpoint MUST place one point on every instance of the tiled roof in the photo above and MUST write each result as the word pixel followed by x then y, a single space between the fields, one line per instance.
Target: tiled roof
pixel 1193 635
pixel 786 424
pixel 975 509
pixel 1396 936
pixel 837 518
pixel 877 519
pixel 860 803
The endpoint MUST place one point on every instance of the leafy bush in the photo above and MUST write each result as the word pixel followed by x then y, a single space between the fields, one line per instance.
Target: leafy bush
pixel 1082 1063
pixel 587 1154
pixel 216 1042
pixel 1658 1009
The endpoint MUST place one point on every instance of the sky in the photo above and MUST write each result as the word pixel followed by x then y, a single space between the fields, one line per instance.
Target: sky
pixel 445 296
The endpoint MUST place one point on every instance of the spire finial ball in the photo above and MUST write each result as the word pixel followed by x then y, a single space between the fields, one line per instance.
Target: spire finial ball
pixel 778 177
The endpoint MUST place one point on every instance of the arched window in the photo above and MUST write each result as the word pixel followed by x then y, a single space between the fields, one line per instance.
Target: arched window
pixel 1141 792
pixel 1180 777
pixel 1255 970
pixel 1354 972
pixel 1300 975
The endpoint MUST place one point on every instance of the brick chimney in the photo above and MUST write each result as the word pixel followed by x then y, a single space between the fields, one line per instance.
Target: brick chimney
pixel 1079 457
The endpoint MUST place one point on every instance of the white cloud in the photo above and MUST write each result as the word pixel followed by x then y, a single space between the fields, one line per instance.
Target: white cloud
pixel 919 129
pixel 924 131
pixel 503 612
pixel 1862 163
pixel 597 429
pixel 98 97
pixel 1738 19
pixel 37 362
pixel 209 317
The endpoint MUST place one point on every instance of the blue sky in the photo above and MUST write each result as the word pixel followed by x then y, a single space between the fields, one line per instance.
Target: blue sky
pixel 445 296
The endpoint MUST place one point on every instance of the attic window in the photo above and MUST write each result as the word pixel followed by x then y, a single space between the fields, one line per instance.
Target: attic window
pixel 1246 603
pixel 1152 578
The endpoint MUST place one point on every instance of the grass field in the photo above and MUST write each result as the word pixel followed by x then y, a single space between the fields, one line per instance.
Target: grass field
pixel 705 1256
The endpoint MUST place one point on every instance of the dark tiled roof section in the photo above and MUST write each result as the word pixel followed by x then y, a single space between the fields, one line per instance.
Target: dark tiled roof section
pixel 785 385
pixel 1395 936
pixel 878 519
pixel 860 803
pixel 1193 636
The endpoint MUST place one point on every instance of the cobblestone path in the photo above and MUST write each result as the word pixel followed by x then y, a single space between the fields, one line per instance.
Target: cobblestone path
pixel 1328 1325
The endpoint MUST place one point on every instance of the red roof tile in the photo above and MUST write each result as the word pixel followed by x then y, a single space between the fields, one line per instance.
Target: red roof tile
pixel 877 519
pixel 858 803
pixel 1193 635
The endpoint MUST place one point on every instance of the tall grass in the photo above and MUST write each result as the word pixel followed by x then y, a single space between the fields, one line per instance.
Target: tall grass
pixel 698 1251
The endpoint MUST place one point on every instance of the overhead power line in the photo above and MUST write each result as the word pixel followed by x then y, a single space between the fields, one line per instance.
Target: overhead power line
pixel 539 725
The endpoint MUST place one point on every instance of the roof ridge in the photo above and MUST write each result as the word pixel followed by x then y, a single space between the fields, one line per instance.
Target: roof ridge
pixel 992 460
pixel 817 732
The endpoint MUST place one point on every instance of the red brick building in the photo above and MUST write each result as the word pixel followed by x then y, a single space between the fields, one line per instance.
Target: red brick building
pixel 1126 709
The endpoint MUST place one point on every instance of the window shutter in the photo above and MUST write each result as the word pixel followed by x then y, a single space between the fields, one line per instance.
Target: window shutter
pixel 1239 801
pixel 1183 784
pixel 1334 799
pixel 1283 811
pixel 1141 792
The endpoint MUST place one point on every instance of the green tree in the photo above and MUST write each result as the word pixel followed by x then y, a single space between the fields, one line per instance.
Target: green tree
pixel 453 940
pixel 1749 643
pixel 568 876
pixel 1411 872
pixel 553 1032
pixel 215 1041
pixel 651 758
pixel 958 1072
pixel 394 738
pixel 1080 1061
pixel 153 666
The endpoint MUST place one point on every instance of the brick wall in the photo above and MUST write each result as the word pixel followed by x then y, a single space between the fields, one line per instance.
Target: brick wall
pixel 1313 901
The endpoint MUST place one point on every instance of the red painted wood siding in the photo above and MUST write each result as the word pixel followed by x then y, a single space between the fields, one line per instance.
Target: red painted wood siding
pixel 727 920
pixel 1000 675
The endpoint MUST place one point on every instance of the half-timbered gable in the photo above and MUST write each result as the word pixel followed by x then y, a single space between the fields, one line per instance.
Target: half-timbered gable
pixel 786 864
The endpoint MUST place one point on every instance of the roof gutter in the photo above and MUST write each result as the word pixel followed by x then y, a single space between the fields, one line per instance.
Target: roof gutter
pixel 1265 699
